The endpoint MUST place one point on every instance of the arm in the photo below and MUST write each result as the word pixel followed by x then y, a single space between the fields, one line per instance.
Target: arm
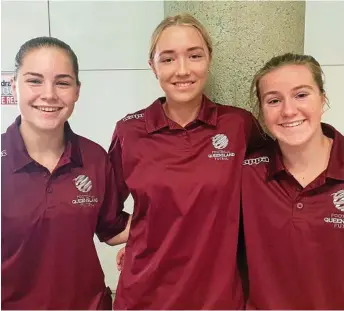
pixel 255 135
pixel 120 259
pixel 121 237
pixel 113 223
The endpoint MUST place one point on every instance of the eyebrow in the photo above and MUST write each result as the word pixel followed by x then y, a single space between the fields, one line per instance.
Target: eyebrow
pixel 59 76
pixel 293 89
pixel 188 50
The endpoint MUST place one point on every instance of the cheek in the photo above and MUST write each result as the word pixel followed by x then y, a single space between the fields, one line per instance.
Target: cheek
pixel 318 111
pixel 69 97
pixel 270 116
pixel 70 109
pixel 24 107
pixel 313 112
pixel 164 74
pixel 201 70
pixel 26 95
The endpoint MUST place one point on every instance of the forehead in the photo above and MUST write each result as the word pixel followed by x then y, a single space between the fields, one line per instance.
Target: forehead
pixel 47 59
pixel 181 36
pixel 286 77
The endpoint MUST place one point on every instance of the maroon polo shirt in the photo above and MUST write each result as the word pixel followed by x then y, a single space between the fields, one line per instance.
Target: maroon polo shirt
pixel 294 236
pixel 181 252
pixel 48 257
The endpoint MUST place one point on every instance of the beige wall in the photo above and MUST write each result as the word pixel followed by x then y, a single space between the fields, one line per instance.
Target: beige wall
pixel 245 35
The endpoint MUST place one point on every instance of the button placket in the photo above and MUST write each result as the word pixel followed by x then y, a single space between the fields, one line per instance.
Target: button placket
pixel 298 208
pixel 185 137
pixel 49 189
pixel 299 205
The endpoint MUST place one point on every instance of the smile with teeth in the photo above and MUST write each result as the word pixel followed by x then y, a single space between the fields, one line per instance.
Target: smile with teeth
pixel 292 124
pixel 48 109
pixel 183 84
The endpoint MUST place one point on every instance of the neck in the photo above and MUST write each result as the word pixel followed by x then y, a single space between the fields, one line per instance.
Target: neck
pixel 183 113
pixel 310 159
pixel 41 143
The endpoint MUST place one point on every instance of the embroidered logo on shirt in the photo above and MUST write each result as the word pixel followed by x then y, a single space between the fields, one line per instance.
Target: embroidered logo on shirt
pixel 338 200
pixel 85 200
pixel 133 116
pixel 255 161
pixel 3 153
pixel 337 220
pixel 83 183
pixel 220 142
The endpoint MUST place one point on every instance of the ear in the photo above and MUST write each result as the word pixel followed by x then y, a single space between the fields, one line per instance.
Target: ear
pixel 151 65
pixel 210 60
pixel 324 103
pixel 77 92
pixel 323 99
pixel 209 63
pixel 14 87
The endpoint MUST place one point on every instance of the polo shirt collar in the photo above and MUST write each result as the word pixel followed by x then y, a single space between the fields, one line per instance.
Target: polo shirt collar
pixel 19 155
pixel 335 168
pixel 156 119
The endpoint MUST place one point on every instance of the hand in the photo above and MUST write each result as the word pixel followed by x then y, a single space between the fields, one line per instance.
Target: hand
pixel 120 259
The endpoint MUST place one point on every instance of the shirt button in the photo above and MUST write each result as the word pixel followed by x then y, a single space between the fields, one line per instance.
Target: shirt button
pixel 45 174
pixel 49 190
pixel 299 205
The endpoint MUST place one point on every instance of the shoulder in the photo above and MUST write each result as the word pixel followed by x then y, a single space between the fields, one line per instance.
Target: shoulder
pixel 260 158
pixel 133 118
pixel 3 139
pixel 90 149
pixel 228 110
pixel 131 121
pixel 236 117
pixel 4 145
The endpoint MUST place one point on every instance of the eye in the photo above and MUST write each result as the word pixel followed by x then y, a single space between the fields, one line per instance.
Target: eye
pixel 273 101
pixel 167 60
pixel 195 56
pixel 34 81
pixel 63 83
pixel 302 95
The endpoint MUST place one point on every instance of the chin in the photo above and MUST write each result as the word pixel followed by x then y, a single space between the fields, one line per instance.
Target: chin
pixel 52 125
pixel 185 98
pixel 293 141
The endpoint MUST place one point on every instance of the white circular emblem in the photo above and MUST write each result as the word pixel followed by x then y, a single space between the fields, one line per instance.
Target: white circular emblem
pixel 338 200
pixel 83 183
pixel 220 141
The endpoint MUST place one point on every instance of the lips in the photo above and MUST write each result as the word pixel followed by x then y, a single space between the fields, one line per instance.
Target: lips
pixel 292 124
pixel 47 108
pixel 182 84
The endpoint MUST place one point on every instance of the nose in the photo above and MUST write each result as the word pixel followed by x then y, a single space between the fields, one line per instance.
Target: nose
pixel 48 92
pixel 183 67
pixel 289 108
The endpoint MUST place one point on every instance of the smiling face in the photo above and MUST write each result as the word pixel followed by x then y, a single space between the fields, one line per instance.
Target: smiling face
pixel 46 88
pixel 181 62
pixel 292 104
